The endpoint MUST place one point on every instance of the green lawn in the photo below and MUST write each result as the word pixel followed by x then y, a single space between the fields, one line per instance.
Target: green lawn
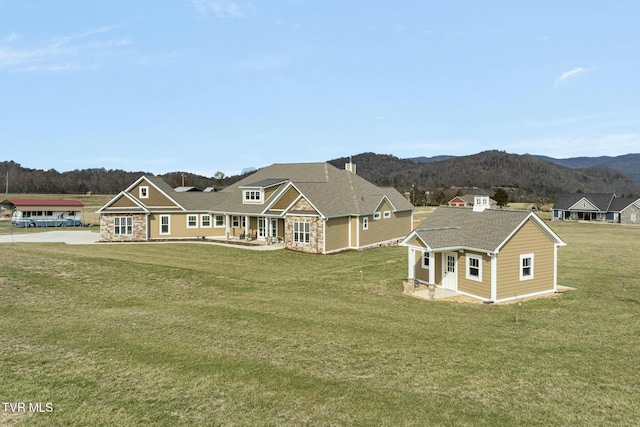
pixel 197 334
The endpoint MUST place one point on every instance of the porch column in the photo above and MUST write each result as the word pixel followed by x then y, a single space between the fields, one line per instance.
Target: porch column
pixel 227 224
pixel 411 264
pixel 432 267
pixel 494 276
pixel 246 225
pixel 555 268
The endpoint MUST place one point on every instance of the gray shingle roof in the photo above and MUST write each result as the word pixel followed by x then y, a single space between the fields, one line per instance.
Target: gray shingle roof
pixel 601 201
pixel 333 191
pixel 621 203
pixel 449 227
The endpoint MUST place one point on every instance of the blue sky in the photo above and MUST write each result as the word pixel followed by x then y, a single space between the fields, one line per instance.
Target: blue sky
pixel 220 85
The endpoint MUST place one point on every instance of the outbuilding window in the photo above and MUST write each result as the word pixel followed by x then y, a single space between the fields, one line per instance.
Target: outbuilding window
pixel 426 260
pixel 474 267
pixel 526 267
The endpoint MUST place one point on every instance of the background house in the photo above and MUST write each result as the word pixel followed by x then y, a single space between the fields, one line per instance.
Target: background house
pixel 596 207
pixel 311 207
pixel 469 200
pixel 491 254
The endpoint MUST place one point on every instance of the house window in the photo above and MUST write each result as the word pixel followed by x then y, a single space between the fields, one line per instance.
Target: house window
pixel 526 267
pixel 365 223
pixel 123 226
pixel 192 221
pixel 235 221
pixel 376 216
pixel 252 196
pixel 474 267
pixel 301 232
pixel 144 192
pixel 219 221
pixel 165 227
pixel 426 260
pixel 387 214
pixel 205 221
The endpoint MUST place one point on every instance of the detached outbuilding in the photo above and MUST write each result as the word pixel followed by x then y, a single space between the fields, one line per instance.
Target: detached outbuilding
pixel 44 212
pixel 488 254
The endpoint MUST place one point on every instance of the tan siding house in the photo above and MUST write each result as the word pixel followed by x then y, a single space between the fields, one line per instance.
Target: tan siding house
pixel 492 255
pixel 310 207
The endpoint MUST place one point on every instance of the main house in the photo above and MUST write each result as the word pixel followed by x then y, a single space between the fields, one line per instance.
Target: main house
pixel 597 207
pixel 311 207
pixel 492 255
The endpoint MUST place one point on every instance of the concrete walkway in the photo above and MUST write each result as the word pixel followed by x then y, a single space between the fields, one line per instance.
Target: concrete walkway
pixel 72 237
pixel 439 293
pixel 85 237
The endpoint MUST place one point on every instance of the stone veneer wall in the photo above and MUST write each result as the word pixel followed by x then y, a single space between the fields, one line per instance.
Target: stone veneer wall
pixel 625 216
pixel 316 235
pixel 107 227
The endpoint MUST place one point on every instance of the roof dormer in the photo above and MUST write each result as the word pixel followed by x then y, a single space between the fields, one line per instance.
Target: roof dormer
pixel 258 192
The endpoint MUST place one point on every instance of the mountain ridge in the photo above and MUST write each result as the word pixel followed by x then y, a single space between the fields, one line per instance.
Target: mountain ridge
pixel 436 179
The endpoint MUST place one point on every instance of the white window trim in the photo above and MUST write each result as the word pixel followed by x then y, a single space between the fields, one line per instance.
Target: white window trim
pixel 521 268
pixel 215 221
pixel 126 226
pixel 365 223
pixel 469 275
pixel 425 256
pixel 143 192
pixel 376 216
pixel 305 233
pixel 202 217
pixel 246 196
pixel 168 225
pixel 235 221
pixel 386 214
pixel 195 220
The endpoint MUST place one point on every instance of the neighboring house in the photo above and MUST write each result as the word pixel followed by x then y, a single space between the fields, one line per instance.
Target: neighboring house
pixel 312 207
pixel 492 255
pixel 469 200
pixel 624 210
pixel 43 212
pixel 596 207
pixel 185 189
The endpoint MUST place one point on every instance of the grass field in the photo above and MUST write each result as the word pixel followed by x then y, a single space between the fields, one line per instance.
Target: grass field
pixel 196 334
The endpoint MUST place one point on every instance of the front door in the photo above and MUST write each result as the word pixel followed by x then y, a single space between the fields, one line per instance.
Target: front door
pixel 449 273
pixel 262 228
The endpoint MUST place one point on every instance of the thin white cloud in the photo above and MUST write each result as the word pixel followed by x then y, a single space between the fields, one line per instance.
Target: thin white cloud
pixel 10 37
pixel 220 8
pixel 84 50
pixel 571 74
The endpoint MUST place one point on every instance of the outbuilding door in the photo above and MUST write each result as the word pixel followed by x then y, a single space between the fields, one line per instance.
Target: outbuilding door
pixel 449 270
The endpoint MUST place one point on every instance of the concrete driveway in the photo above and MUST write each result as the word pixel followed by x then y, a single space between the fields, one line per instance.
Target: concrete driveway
pixel 76 237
